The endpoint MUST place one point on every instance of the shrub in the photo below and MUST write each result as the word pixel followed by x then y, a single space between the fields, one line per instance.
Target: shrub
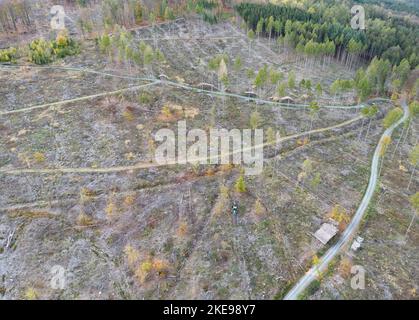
pixel 8 55
pixel 43 52
pixel 166 111
pixel 129 200
pixel 84 220
pixel 132 254
pixel 148 55
pixel 414 108
pixel 40 51
pixel 128 115
pixel 339 214
pixel 313 287
pixel 250 73
pixel 104 43
pixel 138 13
pixel 392 117
pixel 224 192
pixel 315 260
pixel 214 63
pixel 316 180
pixel 160 266
pixel 159 56
pixel 151 267
pixel 86 195
pixel 31 294
pixel 61 40
pixel 259 208
pixel 345 267
pixel 143 271
pixel 39 157
pixel 144 98
pixel 183 229
pixel 110 209
pixel 64 46
pixel 283 291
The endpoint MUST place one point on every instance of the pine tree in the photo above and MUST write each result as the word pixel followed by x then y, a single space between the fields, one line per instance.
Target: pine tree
pixel 319 89
pixel 314 110
pixel 281 89
pixel 383 148
pixel 275 77
pixel 261 77
pixel 369 112
pixel 392 117
pixel 255 120
pixel 148 56
pixel 270 27
pixel 270 136
pixel 238 64
pixel 240 185
pixel 259 27
pixel 251 36
pixel 291 80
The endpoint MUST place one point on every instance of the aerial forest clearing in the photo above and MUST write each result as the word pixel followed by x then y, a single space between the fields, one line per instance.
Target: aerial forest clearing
pixel 80 108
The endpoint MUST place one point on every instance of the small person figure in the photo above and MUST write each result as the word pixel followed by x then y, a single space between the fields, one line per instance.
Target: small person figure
pixel 235 212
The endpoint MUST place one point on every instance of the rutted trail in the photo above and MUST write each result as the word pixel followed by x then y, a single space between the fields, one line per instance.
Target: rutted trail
pixel 149 165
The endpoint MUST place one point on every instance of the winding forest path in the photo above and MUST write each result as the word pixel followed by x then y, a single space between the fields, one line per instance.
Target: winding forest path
pixel 154 81
pixel 348 234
